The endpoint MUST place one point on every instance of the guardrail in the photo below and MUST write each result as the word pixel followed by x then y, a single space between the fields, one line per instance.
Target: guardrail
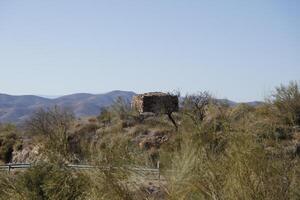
pixel 12 166
pixel 23 166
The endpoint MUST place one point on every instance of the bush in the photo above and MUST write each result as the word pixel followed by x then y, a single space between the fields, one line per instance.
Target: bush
pixel 8 139
pixel 44 181
pixel 287 101
pixel 54 125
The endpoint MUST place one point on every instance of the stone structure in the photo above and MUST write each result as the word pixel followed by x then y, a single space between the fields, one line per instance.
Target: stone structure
pixel 155 102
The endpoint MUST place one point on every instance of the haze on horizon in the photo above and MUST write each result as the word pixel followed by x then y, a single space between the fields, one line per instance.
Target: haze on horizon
pixel 235 49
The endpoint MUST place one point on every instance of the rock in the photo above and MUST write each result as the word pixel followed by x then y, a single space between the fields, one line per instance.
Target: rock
pixel 29 154
pixel 154 139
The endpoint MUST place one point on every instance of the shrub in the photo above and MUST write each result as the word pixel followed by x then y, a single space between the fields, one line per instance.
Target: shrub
pixel 287 101
pixel 54 125
pixel 8 139
pixel 44 181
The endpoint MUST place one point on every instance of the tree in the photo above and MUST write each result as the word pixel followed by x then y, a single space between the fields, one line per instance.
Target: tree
pixel 195 106
pixel 53 123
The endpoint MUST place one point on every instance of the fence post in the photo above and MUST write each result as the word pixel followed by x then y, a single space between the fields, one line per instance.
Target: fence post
pixel 158 167
pixel 9 167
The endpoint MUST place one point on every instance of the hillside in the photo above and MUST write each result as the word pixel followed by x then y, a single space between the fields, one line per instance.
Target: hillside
pixel 221 150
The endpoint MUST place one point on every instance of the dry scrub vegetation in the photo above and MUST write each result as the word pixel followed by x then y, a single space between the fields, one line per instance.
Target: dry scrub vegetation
pixel 218 152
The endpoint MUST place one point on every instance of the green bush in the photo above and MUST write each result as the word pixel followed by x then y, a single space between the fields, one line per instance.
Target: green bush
pixel 44 181
pixel 287 101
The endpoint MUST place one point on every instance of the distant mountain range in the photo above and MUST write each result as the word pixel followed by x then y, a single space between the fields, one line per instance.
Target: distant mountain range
pixel 233 103
pixel 19 108
pixel 16 109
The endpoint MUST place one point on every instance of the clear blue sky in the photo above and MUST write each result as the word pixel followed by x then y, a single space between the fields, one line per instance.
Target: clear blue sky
pixel 236 49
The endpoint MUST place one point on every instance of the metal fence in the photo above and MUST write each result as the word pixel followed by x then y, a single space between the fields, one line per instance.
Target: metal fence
pixel 139 170
pixel 12 166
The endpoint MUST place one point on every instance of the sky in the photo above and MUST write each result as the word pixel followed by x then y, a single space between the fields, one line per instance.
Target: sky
pixel 235 49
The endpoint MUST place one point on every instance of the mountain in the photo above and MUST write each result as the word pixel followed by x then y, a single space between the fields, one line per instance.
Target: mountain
pixel 19 108
pixel 255 103
pixel 233 103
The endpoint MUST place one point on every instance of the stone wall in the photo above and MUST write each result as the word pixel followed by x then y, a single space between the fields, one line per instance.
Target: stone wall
pixel 155 102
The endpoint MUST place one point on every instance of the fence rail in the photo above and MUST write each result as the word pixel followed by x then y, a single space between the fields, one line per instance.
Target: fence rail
pixel 23 166
pixel 13 166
